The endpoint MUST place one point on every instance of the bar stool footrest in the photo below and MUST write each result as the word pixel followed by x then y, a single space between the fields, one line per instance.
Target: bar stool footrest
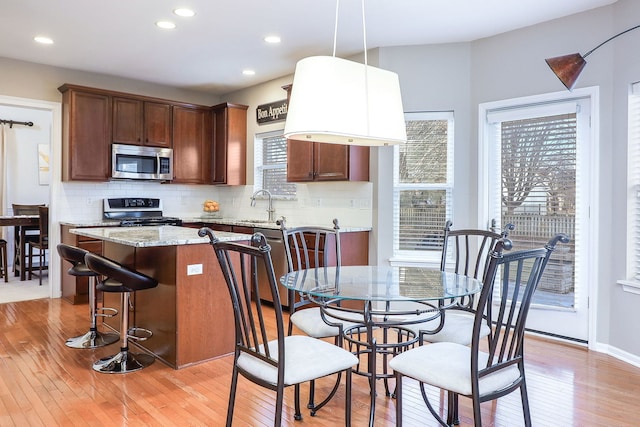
pixel 139 334
pixel 92 339
pixel 106 312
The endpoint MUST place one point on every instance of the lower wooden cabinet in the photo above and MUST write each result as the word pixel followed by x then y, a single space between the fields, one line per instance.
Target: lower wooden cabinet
pixel 76 289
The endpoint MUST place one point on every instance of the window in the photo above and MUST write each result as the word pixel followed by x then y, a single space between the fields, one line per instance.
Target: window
pixel 423 186
pixel 270 154
pixel 633 203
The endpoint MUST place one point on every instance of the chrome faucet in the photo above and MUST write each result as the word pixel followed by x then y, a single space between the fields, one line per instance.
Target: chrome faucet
pixel 271 210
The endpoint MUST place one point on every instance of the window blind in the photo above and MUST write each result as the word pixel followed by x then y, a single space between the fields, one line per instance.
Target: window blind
pixel 633 163
pixel 423 184
pixel 271 150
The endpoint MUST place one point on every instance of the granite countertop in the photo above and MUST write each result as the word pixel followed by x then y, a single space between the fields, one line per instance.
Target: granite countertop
pixel 222 221
pixel 268 224
pixel 164 235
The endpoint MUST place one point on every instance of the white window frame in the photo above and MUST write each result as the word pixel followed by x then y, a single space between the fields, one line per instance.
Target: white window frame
pixel 631 283
pixel 591 252
pixel 422 258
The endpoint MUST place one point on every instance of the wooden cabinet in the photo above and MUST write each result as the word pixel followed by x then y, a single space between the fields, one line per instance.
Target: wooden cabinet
pixel 76 289
pixel 192 139
pixel 229 144
pixel 140 122
pixel 86 134
pixel 314 161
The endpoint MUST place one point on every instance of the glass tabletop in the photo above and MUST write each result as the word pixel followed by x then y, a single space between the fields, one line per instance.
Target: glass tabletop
pixel 381 283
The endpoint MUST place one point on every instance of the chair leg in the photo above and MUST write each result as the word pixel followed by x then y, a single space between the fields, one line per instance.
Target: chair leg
pixel 347 398
pixel 232 394
pixel 30 256
pixel 525 403
pixel 296 392
pixel 277 421
pixel 398 399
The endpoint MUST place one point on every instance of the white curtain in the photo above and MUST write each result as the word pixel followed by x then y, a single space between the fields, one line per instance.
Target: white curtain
pixel 3 173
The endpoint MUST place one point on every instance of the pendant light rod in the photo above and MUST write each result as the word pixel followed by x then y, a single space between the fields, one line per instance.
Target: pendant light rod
pixel 609 39
pixel 364 31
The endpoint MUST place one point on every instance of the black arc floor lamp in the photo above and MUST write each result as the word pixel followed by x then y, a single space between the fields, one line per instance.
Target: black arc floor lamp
pixel 569 67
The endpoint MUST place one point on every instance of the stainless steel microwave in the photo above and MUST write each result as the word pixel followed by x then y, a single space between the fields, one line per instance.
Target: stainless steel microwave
pixel 141 162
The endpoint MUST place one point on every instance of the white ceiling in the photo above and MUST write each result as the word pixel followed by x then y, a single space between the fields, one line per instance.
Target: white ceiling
pixel 209 51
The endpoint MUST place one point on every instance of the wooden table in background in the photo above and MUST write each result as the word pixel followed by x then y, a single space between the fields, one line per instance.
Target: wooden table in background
pixel 20 222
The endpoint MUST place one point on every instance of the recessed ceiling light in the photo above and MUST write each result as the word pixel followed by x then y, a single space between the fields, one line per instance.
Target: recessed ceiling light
pixel 248 72
pixel 184 12
pixel 166 25
pixel 43 40
pixel 272 39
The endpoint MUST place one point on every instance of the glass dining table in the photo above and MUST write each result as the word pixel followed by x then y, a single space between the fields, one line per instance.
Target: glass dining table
pixel 387 300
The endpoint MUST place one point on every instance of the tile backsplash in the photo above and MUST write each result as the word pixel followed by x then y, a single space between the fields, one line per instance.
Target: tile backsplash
pixel 316 203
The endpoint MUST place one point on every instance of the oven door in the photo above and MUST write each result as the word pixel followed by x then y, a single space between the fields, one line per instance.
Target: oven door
pixel 135 162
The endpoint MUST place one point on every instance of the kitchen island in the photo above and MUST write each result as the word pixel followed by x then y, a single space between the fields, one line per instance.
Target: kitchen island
pixel 189 312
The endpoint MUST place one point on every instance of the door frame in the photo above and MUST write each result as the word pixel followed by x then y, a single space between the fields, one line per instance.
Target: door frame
pixel 56 193
pixel 591 251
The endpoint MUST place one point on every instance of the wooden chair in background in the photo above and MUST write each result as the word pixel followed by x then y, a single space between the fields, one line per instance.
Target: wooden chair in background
pixel 42 244
pixel 22 236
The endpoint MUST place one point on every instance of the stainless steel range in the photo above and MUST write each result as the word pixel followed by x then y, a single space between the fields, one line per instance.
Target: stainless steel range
pixel 137 211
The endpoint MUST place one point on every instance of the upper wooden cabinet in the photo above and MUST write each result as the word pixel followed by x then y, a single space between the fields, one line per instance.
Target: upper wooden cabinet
pixel 86 134
pixel 314 161
pixel 140 122
pixel 229 144
pixel 192 139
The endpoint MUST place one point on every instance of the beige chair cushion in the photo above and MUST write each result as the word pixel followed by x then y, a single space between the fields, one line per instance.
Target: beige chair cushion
pixel 457 328
pixel 448 366
pixel 306 358
pixel 309 321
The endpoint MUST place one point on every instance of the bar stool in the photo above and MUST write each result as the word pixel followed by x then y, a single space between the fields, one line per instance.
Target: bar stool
pixel 124 281
pixel 3 260
pixel 93 338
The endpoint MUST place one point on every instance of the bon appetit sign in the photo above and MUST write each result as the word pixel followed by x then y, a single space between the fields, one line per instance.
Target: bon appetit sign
pixel 272 112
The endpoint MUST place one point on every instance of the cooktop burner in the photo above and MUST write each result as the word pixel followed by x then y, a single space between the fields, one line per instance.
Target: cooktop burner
pixel 138 211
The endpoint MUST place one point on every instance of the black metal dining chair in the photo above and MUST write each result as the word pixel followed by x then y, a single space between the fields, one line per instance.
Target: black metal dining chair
pixel 309 247
pixel 483 372
pixel 272 362
pixel 466 252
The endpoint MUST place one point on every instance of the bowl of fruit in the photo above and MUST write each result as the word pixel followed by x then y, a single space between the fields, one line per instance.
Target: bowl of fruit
pixel 211 209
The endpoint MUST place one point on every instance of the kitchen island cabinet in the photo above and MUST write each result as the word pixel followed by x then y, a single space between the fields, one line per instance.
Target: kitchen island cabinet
pixel 189 312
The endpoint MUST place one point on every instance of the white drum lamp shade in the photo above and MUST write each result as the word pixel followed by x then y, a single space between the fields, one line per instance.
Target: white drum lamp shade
pixel 337 101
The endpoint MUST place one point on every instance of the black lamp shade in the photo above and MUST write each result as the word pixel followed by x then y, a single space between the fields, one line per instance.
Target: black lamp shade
pixel 567 68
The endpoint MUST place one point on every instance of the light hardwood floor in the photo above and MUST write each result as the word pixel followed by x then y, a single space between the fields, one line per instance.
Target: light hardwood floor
pixel 44 383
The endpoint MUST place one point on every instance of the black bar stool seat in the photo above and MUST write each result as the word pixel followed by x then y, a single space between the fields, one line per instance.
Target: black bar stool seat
pixel 123 280
pixel 93 338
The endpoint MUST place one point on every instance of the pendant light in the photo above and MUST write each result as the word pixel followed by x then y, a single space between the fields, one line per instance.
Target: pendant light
pixel 338 101
pixel 569 67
